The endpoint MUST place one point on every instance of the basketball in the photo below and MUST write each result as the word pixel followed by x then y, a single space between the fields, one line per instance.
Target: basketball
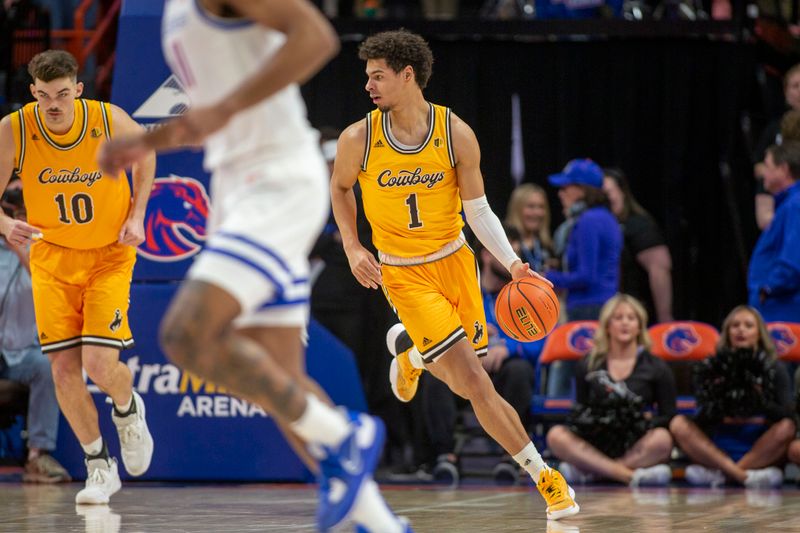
pixel 527 309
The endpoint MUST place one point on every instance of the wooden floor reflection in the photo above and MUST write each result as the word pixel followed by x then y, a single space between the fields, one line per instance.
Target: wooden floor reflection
pixel 144 507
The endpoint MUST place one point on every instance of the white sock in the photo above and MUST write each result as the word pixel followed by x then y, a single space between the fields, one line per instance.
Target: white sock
pixel 416 358
pixel 127 406
pixel 529 459
pixel 321 424
pixel 93 448
pixel 371 511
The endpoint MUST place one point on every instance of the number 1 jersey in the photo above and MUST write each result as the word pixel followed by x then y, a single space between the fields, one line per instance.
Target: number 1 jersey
pixel 411 196
pixel 67 196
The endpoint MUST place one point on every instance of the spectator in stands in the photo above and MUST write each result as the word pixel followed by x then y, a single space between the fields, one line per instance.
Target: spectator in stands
pixel 646 267
pixel 774 275
pixel 773 134
pixel 529 214
pixel 744 379
pixel 590 244
pixel 510 363
pixel 625 398
pixel 590 264
pixel 21 357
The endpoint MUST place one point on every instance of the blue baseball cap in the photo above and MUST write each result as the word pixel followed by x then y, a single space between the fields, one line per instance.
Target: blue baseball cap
pixel 579 172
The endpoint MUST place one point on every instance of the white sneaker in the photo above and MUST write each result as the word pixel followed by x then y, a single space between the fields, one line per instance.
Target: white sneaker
pixel 101 482
pixel 134 438
pixel 764 478
pixel 574 475
pixel 700 475
pixel 654 476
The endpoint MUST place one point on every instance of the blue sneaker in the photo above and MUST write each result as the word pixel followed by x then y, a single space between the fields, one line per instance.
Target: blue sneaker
pixel 403 522
pixel 343 470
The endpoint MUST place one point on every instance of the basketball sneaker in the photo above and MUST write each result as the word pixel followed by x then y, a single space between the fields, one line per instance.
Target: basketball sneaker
pixel 559 496
pixel 344 469
pixel 403 376
pixel 134 437
pixel 101 482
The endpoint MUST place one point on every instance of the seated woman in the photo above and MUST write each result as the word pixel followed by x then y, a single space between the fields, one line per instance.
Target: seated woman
pixel 743 380
pixel 625 398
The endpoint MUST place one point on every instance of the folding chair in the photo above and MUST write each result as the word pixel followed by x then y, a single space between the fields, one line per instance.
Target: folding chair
pixel 680 344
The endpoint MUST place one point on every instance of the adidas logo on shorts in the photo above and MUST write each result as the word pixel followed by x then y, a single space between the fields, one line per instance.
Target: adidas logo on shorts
pixel 426 341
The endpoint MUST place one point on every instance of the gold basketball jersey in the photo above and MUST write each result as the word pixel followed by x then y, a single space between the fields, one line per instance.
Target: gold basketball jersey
pixel 66 194
pixel 411 195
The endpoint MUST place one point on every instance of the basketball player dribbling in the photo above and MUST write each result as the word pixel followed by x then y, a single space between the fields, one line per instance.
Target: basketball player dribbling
pixel 417 164
pixel 237 319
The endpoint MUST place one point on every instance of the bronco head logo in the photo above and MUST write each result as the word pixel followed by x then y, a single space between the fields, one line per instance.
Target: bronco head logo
pixel 680 340
pixel 175 223
pixel 783 337
pixel 580 339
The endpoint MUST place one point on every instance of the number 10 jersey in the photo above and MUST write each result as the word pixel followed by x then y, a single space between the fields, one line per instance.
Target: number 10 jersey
pixel 67 196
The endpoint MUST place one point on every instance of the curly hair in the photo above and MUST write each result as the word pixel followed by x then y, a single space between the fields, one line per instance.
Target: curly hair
pixel 400 49
pixel 53 64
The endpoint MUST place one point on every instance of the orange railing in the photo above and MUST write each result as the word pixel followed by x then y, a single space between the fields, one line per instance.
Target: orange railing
pixel 82 42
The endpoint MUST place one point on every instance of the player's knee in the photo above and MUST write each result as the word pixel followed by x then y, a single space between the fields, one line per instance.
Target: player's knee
pixel 65 371
pixel 474 383
pixel 176 341
pixel 100 370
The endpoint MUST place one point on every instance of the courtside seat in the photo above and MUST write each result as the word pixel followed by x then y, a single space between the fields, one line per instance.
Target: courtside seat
pixel 567 343
pixel 786 336
pixel 681 344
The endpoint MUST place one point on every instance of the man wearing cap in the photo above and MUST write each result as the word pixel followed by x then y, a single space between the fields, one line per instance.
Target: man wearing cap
pixel 593 241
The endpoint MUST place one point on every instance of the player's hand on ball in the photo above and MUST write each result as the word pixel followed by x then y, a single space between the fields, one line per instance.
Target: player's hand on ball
pixel 521 270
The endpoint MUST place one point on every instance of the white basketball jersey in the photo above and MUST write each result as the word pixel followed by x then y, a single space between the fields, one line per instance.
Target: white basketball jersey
pixel 212 56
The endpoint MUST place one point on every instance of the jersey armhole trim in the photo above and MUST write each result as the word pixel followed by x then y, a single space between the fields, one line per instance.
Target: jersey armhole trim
pixel 450 151
pixel 21 143
pixel 367 143
pixel 105 112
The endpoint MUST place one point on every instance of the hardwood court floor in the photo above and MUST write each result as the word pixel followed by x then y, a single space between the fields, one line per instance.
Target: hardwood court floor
pixel 145 507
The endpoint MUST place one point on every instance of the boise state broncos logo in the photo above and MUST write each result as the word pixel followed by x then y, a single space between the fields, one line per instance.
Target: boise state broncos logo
pixel 581 338
pixel 680 340
pixel 783 337
pixel 175 223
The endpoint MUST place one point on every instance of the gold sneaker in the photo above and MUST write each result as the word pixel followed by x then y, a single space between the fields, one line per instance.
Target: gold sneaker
pixel 403 376
pixel 558 495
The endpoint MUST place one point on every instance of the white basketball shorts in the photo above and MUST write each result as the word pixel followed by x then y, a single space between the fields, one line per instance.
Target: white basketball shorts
pixel 266 216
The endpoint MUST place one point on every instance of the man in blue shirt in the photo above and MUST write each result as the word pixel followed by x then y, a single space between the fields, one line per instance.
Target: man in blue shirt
pixel 21 357
pixel 773 281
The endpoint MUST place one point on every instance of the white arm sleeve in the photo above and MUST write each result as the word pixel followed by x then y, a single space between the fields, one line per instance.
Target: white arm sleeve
pixel 489 230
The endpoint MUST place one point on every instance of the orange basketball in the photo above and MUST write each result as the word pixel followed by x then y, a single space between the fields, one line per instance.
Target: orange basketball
pixel 527 309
